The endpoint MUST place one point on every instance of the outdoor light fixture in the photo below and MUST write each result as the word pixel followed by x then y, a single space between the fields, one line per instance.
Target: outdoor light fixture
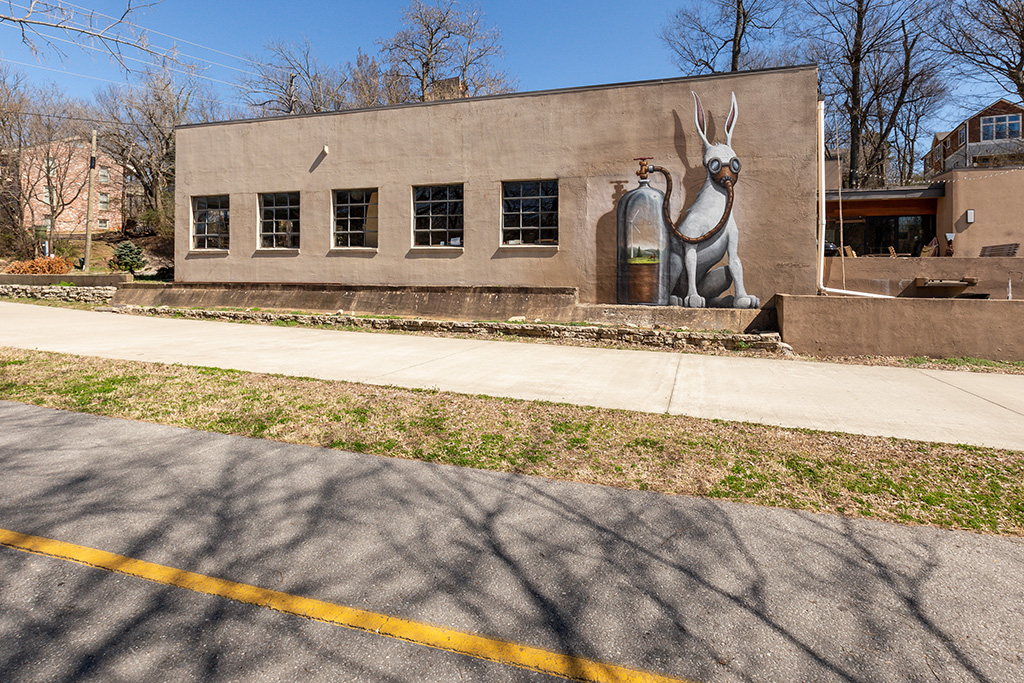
pixel 970 214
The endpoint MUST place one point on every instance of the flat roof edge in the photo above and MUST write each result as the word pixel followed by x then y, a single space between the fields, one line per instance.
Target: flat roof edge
pixel 869 194
pixel 528 93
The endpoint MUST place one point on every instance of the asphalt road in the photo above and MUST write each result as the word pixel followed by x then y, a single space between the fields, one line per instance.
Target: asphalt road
pixel 697 589
pixel 930 405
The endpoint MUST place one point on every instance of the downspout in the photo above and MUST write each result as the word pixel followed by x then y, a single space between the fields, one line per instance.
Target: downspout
pixel 822 289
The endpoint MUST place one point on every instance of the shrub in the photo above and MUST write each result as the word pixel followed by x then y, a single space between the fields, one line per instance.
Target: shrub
pixel 128 257
pixel 55 265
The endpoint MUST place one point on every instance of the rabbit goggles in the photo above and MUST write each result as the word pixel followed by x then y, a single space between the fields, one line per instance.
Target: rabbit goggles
pixel 721 172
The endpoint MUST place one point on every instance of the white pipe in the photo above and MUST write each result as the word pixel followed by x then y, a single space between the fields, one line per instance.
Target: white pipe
pixel 847 292
pixel 822 289
pixel 821 196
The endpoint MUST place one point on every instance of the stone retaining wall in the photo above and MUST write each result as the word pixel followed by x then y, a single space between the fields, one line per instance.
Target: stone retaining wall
pixel 89 295
pixel 630 334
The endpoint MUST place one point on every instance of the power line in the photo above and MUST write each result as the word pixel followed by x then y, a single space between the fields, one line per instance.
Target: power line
pixel 105 80
pixel 165 35
pixel 65 117
pixel 136 59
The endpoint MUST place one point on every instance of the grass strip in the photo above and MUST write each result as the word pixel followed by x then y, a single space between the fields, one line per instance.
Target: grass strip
pixel 950 486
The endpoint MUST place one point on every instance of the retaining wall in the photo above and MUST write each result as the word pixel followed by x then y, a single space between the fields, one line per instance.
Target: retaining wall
pixel 938 328
pixel 75 278
pixel 90 295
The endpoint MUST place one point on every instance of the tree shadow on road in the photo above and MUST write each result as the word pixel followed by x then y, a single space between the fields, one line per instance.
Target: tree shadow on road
pixel 685 587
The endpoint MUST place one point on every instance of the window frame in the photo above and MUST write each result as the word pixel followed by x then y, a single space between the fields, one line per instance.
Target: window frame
pixel 961 136
pixel 103 174
pixel 519 210
pixel 102 224
pixel 103 202
pixel 223 237
pixel 990 127
pixel 433 200
pixel 372 200
pixel 293 230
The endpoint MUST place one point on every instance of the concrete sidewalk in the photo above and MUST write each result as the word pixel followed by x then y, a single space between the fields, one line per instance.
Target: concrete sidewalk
pixel 931 405
pixel 698 589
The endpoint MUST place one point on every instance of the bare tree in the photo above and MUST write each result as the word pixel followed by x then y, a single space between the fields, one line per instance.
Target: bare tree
pixel 293 81
pixel 924 101
pixel 14 110
pixel 42 25
pixel 986 38
pixel 371 86
pixel 440 42
pixel 140 135
pixel 726 35
pixel 42 169
pixel 872 54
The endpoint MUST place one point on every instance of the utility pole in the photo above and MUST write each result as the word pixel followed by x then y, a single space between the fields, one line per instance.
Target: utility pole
pixel 88 208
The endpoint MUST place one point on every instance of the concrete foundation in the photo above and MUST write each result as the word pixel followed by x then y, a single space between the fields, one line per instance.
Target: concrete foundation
pixel 549 304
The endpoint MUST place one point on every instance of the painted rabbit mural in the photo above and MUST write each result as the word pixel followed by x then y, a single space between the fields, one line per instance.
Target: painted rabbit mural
pixel 708 231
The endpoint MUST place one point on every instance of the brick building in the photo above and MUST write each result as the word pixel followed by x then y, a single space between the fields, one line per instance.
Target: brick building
pixel 991 137
pixel 48 185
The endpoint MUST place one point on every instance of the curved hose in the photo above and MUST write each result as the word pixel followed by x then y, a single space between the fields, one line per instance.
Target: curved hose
pixel 665 212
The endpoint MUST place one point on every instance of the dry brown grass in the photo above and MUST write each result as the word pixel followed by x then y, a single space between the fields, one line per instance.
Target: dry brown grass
pixel 891 479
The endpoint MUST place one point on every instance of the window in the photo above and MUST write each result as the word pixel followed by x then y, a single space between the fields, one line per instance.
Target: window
pixel 210 222
pixel 46 195
pixel 103 224
pixel 529 212
pixel 1000 127
pixel 438 216
pixel 875 234
pixel 279 220
pixel 961 136
pixel 355 218
pixel 104 174
pixel 104 201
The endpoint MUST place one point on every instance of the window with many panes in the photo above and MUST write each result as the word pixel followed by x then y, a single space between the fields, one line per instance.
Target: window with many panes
pixel 104 174
pixel 437 216
pixel 1000 127
pixel 529 212
pixel 279 220
pixel 104 201
pixel 961 136
pixel 355 218
pixel 210 222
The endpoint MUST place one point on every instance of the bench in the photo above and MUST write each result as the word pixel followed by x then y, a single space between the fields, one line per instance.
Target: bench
pixel 999 250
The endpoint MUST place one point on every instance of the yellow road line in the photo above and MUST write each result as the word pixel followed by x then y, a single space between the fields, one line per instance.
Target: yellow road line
pixel 500 651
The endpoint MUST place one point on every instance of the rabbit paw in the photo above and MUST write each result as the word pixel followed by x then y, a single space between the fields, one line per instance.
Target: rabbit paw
pixel 746 302
pixel 694 301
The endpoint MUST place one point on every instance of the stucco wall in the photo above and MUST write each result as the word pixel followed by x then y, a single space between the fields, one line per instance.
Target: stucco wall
pixel 895 276
pixel 997 197
pixel 586 138
pixel 939 328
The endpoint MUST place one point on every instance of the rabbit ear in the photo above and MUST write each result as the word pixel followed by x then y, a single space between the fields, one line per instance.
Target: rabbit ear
pixel 701 121
pixel 730 122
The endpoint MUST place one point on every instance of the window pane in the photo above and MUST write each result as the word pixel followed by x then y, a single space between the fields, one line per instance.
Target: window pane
pixel 438 215
pixel 538 206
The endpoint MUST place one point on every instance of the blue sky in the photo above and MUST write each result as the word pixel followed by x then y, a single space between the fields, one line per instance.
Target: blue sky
pixel 548 44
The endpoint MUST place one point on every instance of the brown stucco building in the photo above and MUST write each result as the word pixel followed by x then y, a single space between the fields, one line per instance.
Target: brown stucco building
pixel 504 191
